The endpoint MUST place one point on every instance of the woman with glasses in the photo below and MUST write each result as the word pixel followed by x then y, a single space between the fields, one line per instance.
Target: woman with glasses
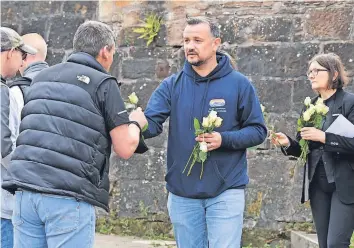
pixel 329 171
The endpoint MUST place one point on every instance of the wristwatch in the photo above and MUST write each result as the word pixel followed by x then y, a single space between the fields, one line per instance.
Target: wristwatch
pixel 135 123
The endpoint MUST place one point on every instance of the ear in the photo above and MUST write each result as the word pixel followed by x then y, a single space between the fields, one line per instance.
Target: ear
pixel 216 43
pixel 103 53
pixel 10 53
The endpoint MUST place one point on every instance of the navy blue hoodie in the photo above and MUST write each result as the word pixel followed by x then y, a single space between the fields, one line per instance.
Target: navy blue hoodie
pixel 185 96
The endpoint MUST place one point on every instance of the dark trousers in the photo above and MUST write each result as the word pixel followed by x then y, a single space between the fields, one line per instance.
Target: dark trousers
pixel 333 219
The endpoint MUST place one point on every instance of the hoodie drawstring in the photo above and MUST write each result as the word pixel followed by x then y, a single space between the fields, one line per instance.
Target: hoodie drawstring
pixel 203 104
pixel 204 99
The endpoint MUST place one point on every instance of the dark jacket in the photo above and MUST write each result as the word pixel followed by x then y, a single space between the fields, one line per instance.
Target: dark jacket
pixel 64 146
pixel 338 151
pixel 185 96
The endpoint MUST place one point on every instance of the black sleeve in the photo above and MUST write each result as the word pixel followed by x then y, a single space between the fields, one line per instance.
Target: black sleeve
pixel 111 104
pixel 294 148
pixel 113 109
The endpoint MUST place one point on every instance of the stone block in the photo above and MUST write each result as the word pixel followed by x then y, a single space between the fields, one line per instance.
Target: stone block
pixel 265 29
pixel 303 240
pixel 149 166
pixel 10 14
pixel 345 51
pixel 274 94
pixel 302 89
pixel 133 194
pixel 285 123
pixel 62 31
pixel 127 37
pixel 135 69
pixel 275 61
pixel 175 30
pixel 36 26
pixel 162 69
pixel 85 9
pixel 13 25
pixel 54 57
pixel 274 191
pixel 115 11
pixel 142 88
pixel 151 52
pixel 118 57
pixel 298 29
pixel 240 4
pixel 329 23
pixel 161 140
pixel 35 9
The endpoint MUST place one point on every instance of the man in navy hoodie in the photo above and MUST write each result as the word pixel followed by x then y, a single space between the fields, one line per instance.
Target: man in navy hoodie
pixel 206 212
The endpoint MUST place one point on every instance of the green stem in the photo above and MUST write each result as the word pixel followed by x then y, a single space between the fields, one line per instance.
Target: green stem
pixel 201 173
pixel 192 164
pixel 189 159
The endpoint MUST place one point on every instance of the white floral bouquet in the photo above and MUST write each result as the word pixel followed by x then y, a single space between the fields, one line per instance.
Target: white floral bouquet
pixel 311 117
pixel 200 150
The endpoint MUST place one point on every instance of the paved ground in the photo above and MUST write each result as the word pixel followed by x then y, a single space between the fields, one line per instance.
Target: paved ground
pixel 108 241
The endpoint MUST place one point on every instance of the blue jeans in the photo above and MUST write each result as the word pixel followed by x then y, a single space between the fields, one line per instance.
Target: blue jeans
pixel 43 220
pixel 7 234
pixel 216 222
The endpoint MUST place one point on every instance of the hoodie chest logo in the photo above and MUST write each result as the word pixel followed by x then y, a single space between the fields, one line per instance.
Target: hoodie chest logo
pixel 215 103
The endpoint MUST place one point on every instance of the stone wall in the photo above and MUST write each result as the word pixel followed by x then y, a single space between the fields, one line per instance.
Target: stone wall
pixel 271 42
pixel 56 21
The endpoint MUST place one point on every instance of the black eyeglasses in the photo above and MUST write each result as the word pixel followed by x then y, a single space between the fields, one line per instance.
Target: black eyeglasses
pixel 314 72
pixel 23 54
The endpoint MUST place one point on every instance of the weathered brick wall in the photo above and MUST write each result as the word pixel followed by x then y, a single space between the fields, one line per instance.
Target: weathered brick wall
pixel 271 42
pixel 56 21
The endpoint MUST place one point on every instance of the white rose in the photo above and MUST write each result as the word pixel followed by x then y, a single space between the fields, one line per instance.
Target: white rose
pixel 307 101
pixel 212 116
pixel 318 108
pixel 133 98
pixel 203 146
pixel 306 115
pixel 311 109
pixel 324 109
pixel 205 122
pixel 262 108
pixel 218 122
pixel 319 101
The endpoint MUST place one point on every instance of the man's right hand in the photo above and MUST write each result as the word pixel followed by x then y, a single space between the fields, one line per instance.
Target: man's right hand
pixel 138 116
pixel 279 139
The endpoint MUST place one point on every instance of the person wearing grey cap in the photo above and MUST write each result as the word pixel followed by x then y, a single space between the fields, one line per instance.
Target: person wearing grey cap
pixel 13 51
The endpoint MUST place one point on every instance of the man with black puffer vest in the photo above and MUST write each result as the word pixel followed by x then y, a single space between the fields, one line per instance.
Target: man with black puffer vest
pixel 73 114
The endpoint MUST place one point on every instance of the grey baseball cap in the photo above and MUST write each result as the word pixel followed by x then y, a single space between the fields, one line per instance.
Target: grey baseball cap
pixel 11 39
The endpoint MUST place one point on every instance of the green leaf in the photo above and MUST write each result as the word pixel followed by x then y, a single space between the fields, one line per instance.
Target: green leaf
pixel 302 142
pixel 196 125
pixel 199 132
pixel 203 156
pixel 139 30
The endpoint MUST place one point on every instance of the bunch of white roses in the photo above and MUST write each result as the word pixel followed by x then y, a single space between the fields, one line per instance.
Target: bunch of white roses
pixel 200 150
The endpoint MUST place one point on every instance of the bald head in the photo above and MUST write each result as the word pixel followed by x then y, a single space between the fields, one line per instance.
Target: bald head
pixel 36 41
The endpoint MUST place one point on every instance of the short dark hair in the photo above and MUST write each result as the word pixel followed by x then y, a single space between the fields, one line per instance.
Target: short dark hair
pixel 214 29
pixel 332 63
pixel 92 36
